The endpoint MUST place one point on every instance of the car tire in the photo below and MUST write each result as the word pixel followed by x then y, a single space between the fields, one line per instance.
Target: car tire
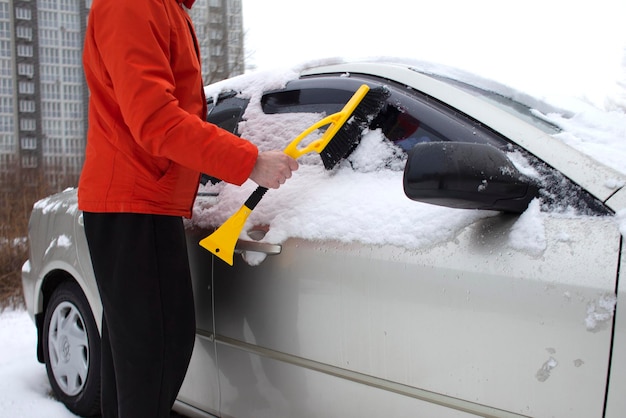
pixel 71 348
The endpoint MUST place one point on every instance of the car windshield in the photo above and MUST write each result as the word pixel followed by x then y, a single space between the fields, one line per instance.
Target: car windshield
pixel 507 104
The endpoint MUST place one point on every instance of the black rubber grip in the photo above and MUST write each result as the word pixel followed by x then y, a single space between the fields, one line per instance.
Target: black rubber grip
pixel 255 197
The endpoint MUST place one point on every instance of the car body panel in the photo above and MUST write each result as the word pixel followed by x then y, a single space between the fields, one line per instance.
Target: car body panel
pixel 469 319
pixel 201 386
pixel 616 401
pixel 617 201
pixel 62 248
pixel 285 388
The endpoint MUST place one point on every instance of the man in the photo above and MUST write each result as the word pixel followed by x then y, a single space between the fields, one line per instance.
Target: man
pixel 147 143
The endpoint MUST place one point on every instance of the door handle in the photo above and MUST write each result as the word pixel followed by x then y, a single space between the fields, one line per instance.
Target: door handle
pixel 258 247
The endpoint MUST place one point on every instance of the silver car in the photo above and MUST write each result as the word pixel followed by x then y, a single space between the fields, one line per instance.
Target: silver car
pixel 474 322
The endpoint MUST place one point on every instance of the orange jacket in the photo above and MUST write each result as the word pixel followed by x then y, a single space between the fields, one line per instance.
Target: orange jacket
pixel 148 140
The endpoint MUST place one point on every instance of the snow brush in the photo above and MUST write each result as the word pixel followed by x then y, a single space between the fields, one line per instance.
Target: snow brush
pixel 338 141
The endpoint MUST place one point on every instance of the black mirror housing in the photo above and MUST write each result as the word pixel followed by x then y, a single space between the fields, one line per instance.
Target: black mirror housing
pixel 466 176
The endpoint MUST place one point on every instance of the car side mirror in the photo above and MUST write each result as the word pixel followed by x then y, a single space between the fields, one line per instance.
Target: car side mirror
pixel 466 176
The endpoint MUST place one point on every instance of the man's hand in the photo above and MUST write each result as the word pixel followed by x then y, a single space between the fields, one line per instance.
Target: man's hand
pixel 272 169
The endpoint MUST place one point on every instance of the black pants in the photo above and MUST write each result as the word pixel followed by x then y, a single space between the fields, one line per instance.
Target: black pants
pixel 148 325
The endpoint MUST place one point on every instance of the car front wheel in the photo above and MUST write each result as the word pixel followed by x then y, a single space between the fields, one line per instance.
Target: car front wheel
pixel 72 350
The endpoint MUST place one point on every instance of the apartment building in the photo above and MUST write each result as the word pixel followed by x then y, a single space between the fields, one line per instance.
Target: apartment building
pixel 43 95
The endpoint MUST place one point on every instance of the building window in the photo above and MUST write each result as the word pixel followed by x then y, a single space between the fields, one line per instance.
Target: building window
pixel 48 20
pixel 216 51
pixel 69 21
pixel 72 111
pixel 69 5
pixel 5 30
pixel 5 49
pixel 71 57
pixel 49 37
pixel 49 73
pixel 71 39
pixel 73 74
pixel 26 87
pixel 49 55
pixel 25 32
pixel 6 86
pixel 50 91
pixel 27 70
pixel 22 14
pixel 24 50
pixel 6 67
pixel 29 161
pixel 6 124
pixel 4 11
pixel 28 142
pixel 72 92
pixel 51 109
pixel 28 124
pixel 6 105
pixel 7 143
pixel 27 106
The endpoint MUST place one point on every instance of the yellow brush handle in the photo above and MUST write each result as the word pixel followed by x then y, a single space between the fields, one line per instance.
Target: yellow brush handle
pixel 336 121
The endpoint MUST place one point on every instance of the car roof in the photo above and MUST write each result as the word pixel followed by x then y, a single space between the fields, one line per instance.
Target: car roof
pixel 582 169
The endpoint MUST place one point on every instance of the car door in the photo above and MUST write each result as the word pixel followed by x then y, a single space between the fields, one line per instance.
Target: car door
pixel 510 317
pixel 201 386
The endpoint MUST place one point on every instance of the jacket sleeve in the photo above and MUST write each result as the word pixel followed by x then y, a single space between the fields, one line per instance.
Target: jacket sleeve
pixel 145 52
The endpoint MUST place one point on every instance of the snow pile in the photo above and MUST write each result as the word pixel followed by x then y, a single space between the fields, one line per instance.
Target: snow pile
pixel 600 134
pixel 24 388
pixel 528 233
pixel 600 312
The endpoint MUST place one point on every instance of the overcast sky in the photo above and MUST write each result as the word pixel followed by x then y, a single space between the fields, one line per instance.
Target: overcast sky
pixel 557 40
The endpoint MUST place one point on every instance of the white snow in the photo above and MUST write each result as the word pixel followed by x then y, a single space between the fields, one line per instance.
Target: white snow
pixel 600 312
pixel 64 241
pixel 528 233
pixel 24 388
pixel 544 372
pixel 569 55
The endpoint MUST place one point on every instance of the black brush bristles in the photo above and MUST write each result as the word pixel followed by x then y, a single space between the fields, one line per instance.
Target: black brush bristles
pixel 349 135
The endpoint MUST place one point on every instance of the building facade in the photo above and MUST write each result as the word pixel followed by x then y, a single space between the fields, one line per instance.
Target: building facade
pixel 43 95
pixel 219 27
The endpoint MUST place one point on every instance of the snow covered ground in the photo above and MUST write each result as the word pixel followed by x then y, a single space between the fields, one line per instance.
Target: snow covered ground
pixel 24 388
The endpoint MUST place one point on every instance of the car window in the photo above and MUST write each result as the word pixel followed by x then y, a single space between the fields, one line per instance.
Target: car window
pixel 411 118
pixel 509 105
pixel 227 112
pixel 407 118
